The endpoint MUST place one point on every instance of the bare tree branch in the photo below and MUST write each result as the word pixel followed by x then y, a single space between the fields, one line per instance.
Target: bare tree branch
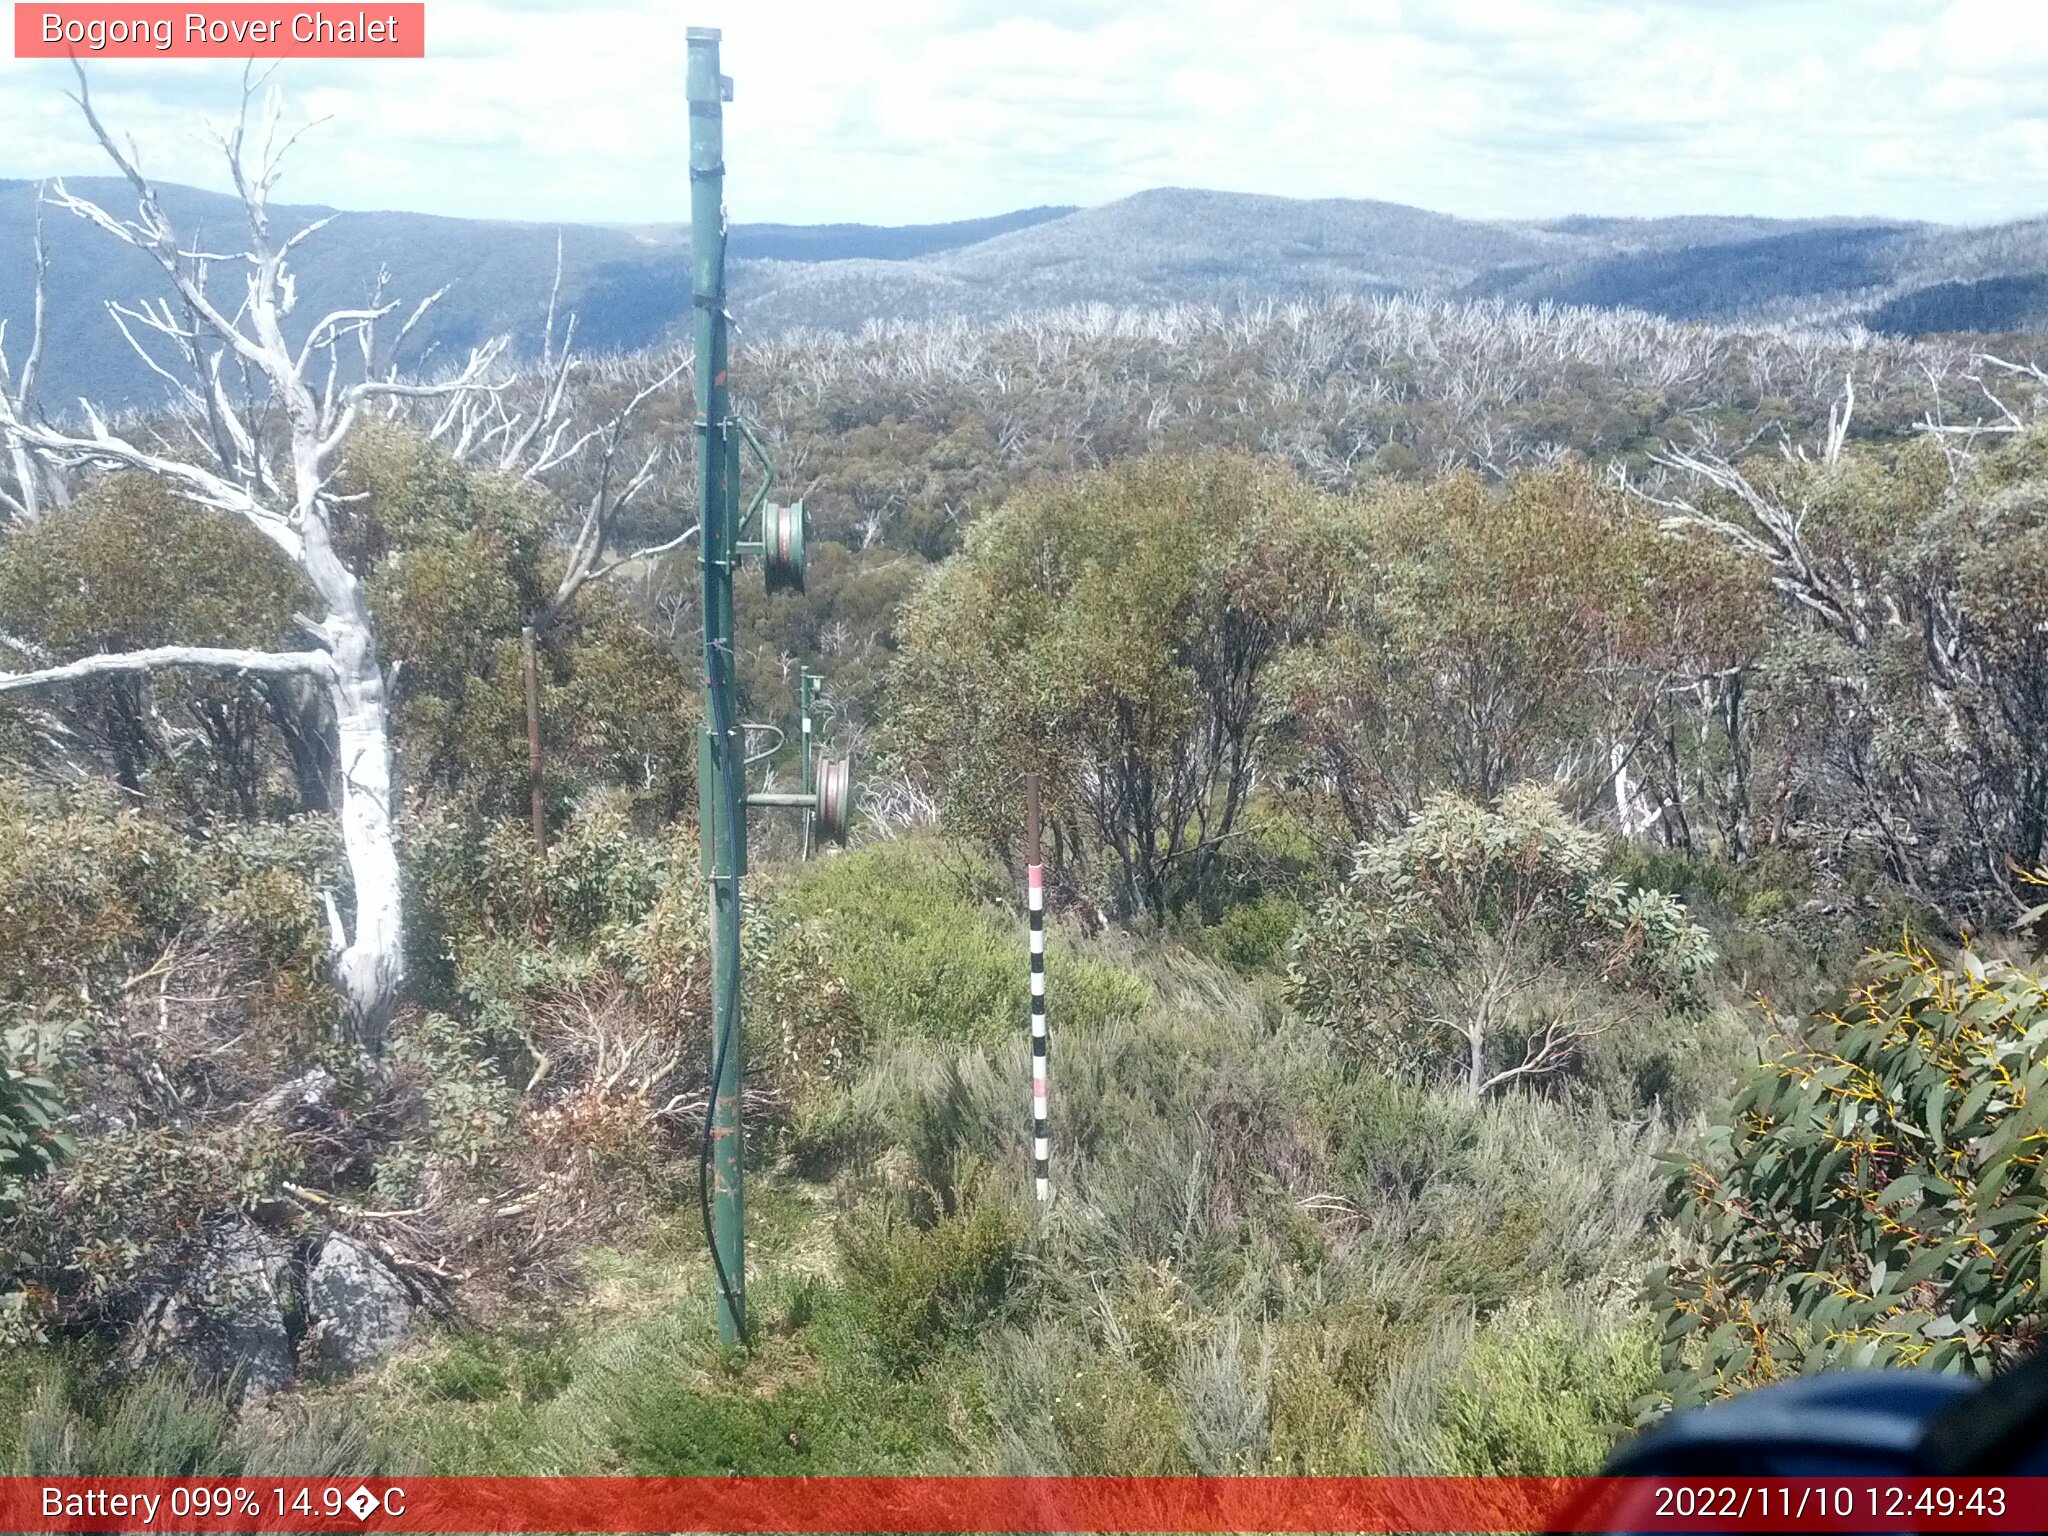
pixel 158 658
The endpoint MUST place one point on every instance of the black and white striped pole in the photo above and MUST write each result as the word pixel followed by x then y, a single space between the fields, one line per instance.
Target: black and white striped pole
pixel 1034 898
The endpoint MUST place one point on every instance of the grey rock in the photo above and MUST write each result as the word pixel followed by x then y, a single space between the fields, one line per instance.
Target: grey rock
pixel 305 1100
pixel 360 1311
pixel 227 1318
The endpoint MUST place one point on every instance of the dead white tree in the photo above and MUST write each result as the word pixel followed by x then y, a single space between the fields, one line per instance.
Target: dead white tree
pixel 269 458
pixel 520 429
pixel 37 483
pixel 1761 526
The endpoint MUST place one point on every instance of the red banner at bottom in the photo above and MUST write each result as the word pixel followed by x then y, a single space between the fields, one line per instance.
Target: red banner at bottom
pixel 1021 1504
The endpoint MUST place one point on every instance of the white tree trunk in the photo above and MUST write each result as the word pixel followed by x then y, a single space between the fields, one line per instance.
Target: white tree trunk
pixel 26 477
pixel 370 969
pixel 1624 797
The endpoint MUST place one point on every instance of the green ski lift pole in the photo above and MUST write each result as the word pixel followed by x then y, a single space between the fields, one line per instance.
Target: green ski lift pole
pixel 722 797
pixel 720 812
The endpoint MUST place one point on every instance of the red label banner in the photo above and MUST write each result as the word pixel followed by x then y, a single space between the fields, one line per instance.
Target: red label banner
pixel 232 31
pixel 1021 1504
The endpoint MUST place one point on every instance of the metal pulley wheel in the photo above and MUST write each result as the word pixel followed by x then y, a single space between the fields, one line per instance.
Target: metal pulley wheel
pixel 835 798
pixel 782 546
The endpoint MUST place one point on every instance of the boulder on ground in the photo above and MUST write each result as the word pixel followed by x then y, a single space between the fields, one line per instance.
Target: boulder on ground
pixel 229 1317
pixel 358 1309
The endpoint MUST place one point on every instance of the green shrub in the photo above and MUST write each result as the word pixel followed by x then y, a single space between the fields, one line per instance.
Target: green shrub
pixel 460 562
pixel 923 1288
pixel 670 1425
pixel 1678 1063
pixel 1483 944
pixel 1326 1369
pixel 1500 1198
pixel 159 1426
pixel 128 1208
pixel 467 1371
pixel 1252 936
pixel 1117 630
pixel 1073 1401
pixel 63 1416
pixel 803 1032
pixel 1875 1193
pixel 600 873
pixel 470 1107
pixel 475 880
pixel 266 891
pixel 128 564
pixel 927 955
pixel 32 1139
pixel 1226 1392
pixel 813 1396
pixel 91 894
pixel 671 1430
pixel 86 888
pixel 1539 1395
pixel 32 1133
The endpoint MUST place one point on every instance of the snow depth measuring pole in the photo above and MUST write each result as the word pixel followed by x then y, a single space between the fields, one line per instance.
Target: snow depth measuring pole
pixel 722 763
pixel 1034 901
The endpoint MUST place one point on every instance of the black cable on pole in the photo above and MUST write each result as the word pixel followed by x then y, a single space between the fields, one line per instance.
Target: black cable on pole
pixel 728 1025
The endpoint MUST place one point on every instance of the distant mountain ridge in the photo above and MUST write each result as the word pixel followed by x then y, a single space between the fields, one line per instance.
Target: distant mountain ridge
pixel 880 242
pixel 629 285
pixel 1177 243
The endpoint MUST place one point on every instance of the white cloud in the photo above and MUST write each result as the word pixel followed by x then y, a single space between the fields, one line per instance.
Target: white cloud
pixel 904 110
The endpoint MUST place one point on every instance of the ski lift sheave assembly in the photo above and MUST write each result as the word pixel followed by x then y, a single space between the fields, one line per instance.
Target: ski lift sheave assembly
pixel 778 530
pixel 827 785
pixel 782 547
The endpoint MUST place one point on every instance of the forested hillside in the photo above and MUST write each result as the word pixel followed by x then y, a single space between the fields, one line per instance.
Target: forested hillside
pixel 1162 247
pixel 1545 810
pixel 623 284
pixel 1236 249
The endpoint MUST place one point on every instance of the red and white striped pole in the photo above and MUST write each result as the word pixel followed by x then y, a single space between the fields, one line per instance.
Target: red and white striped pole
pixel 1034 897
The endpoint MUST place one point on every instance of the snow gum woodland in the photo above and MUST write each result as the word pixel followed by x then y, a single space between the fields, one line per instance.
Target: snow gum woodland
pixel 1507 770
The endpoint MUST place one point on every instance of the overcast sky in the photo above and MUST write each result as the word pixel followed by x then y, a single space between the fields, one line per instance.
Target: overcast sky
pixel 898 111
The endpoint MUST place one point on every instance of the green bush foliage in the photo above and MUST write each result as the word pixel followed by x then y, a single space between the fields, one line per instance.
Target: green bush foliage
pixel 923 1288
pixel 458 562
pixel 1540 1394
pixel 130 564
pixel 1114 632
pixel 1484 942
pixel 1874 1195
pixel 64 1418
pixel 461 563
pixel 31 1119
pixel 85 889
pixel 91 894
pixel 1486 635
pixel 931 947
